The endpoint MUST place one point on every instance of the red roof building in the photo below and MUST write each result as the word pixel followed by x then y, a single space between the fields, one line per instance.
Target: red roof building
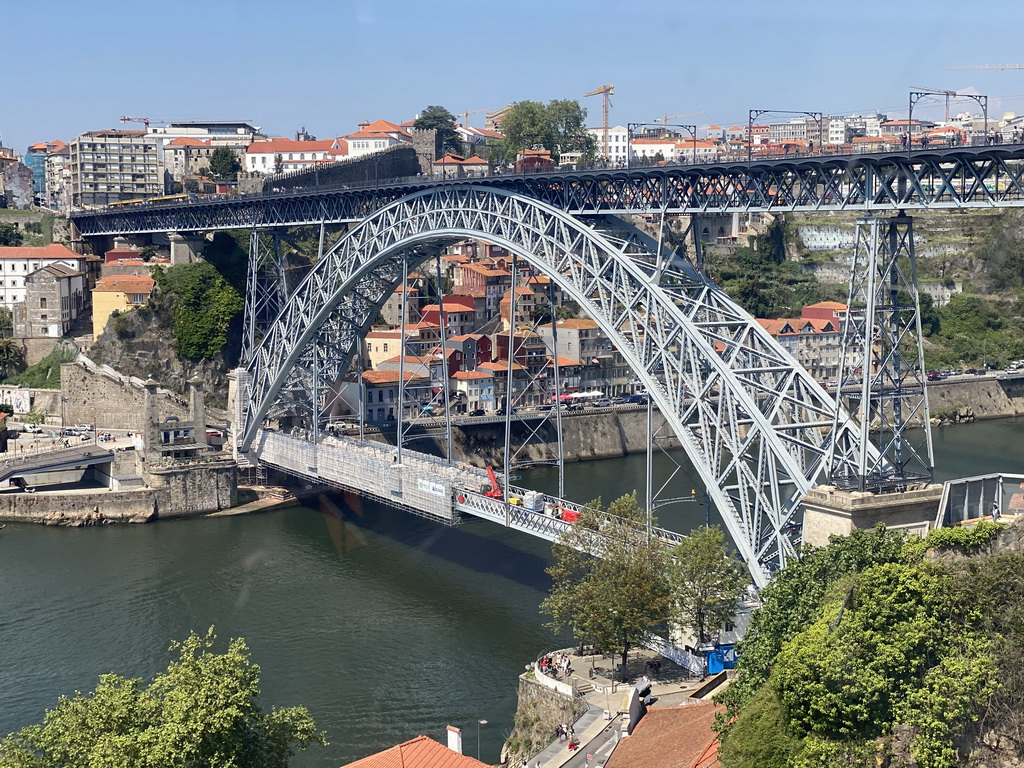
pixel 421 752
pixel 671 737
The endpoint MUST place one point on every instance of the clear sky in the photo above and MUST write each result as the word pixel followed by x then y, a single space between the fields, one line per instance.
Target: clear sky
pixel 72 66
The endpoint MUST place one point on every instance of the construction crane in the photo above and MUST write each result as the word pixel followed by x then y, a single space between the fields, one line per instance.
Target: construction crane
pixel 604 92
pixel 938 91
pixel 465 115
pixel 665 118
pixel 143 120
pixel 990 66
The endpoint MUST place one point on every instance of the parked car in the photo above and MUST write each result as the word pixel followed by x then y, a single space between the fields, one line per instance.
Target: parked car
pixel 477 412
pixel 35 429
pixel 640 398
pixel 83 427
pixel 604 402
pixel 622 400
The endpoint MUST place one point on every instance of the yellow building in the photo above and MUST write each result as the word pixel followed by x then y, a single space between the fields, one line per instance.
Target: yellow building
pixel 118 292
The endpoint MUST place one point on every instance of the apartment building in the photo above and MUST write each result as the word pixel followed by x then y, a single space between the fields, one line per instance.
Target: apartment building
pixel 113 165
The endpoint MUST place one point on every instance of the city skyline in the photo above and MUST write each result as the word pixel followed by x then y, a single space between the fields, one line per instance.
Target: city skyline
pixel 328 67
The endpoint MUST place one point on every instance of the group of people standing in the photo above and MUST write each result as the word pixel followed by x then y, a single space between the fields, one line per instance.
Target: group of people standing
pixel 557 665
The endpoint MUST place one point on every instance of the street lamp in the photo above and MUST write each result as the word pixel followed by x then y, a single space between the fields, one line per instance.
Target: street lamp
pixel 478 724
pixel 63 401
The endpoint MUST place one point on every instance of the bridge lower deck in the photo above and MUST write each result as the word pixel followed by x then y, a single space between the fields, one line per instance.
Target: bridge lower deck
pixel 422 484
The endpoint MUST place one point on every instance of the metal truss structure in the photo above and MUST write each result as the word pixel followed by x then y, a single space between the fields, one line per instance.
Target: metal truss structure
pixel 757 428
pixel 888 381
pixel 266 287
pixel 961 177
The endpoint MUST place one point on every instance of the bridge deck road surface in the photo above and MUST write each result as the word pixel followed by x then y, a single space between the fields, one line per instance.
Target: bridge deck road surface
pixel 58 458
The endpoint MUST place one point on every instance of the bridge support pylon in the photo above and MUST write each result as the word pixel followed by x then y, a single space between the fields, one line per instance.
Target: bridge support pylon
pixel 831 511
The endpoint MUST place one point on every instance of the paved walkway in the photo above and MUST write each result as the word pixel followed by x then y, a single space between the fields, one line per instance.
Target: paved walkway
pixel 671 685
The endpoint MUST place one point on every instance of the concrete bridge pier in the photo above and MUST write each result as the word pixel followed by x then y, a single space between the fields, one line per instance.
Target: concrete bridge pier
pixel 831 511
pixel 186 249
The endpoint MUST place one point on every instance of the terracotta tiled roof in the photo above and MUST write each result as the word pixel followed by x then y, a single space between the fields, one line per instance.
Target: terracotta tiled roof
pixel 383 335
pixel 411 360
pixel 499 365
pixel 421 752
pixel 564 361
pixel 53 251
pixel 383 126
pixel 671 737
pixel 276 146
pixel 126 284
pixel 580 323
pixel 827 305
pixel 389 377
pixel 467 375
pixel 186 141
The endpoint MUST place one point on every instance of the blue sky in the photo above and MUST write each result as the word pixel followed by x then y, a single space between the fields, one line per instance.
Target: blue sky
pixel 329 64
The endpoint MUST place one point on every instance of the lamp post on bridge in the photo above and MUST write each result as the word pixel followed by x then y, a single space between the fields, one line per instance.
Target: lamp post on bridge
pixel 753 114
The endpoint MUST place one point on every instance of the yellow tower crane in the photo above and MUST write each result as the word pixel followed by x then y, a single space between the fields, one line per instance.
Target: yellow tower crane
pixel 604 92
pixel 465 115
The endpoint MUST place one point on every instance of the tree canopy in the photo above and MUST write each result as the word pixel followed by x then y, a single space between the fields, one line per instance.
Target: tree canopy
pixel 10 235
pixel 202 711
pixel 441 120
pixel 204 306
pixel 707 583
pixel 867 653
pixel 616 599
pixel 560 126
pixel 224 164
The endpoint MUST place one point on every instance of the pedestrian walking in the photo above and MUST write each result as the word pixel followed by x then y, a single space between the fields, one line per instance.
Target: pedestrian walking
pixel 996 514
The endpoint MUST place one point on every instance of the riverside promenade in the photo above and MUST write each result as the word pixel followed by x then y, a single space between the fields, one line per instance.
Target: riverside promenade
pixel 604 723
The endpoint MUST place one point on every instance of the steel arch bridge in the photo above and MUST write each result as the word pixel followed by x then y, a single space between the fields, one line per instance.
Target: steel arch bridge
pixel 757 428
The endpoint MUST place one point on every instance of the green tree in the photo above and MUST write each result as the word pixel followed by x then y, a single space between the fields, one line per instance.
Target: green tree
pixel 10 235
pixel 12 358
pixel 202 711
pixel 568 129
pixel 707 583
pixel 148 253
pixel 525 126
pixel 441 120
pixel 204 306
pixel 36 415
pixel 6 323
pixel 609 583
pixel 224 164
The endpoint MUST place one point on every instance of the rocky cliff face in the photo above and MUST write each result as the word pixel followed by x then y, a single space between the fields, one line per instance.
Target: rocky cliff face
pixel 141 343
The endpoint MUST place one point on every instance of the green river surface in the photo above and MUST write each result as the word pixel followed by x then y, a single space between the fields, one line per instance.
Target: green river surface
pixel 383 624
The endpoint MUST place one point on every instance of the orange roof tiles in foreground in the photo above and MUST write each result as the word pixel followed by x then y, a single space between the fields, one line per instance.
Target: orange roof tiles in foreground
pixel 126 284
pixel 53 251
pixel 421 752
pixel 671 737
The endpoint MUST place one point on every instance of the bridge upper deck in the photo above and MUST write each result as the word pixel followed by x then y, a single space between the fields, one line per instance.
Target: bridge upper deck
pixel 947 178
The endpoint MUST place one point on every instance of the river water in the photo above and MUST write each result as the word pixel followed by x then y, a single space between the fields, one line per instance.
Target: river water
pixel 385 625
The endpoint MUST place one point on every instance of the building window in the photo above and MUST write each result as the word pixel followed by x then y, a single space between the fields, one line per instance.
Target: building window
pixel 42 305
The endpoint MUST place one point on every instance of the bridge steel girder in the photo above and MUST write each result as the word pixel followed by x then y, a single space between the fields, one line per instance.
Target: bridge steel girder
pixel 956 178
pixel 754 423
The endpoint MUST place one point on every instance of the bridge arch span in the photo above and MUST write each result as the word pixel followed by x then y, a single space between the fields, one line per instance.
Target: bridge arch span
pixel 755 425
